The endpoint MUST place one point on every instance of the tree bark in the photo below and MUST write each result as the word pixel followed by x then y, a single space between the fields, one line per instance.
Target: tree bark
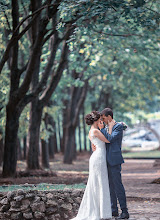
pixel 59 132
pixel 52 143
pixel 19 151
pixel 45 154
pixel 19 96
pixel 24 148
pixel 69 145
pixel 79 134
pixel 1 150
pixel 32 158
pixel 34 138
pixel 12 112
pixel 78 95
pixel 10 150
pixel 84 131
pixel 64 115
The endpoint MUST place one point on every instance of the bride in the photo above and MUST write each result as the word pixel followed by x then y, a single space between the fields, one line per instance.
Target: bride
pixel 96 204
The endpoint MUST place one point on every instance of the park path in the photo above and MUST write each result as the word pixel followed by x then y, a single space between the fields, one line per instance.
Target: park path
pixel 143 197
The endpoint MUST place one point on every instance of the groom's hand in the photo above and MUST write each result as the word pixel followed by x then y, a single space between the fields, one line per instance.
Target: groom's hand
pixel 93 147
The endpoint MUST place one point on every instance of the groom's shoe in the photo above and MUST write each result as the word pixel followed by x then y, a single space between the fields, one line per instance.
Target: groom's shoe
pixel 124 215
pixel 115 214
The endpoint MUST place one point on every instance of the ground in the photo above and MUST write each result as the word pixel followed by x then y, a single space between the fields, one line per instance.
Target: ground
pixel 142 195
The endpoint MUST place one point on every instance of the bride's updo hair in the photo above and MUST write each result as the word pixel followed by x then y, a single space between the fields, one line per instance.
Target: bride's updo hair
pixel 92 117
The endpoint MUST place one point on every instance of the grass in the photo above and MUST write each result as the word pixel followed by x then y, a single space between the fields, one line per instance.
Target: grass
pixel 142 154
pixel 41 187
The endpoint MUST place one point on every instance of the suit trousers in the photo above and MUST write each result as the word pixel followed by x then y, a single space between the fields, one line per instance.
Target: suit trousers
pixel 117 190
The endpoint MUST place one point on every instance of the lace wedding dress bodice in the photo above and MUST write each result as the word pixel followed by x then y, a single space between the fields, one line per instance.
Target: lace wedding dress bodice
pixel 96 202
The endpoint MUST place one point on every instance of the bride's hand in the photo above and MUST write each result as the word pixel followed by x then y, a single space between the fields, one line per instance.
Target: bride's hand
pixel 100 125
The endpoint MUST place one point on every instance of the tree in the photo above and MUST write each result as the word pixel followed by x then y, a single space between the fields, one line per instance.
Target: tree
pixel 106 18
pixel 18 97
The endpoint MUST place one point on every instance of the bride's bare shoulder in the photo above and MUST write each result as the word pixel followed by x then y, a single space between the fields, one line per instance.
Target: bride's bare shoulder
pixel 93 132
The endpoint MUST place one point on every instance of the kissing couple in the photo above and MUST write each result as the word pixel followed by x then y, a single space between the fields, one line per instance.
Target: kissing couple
pixel 104 187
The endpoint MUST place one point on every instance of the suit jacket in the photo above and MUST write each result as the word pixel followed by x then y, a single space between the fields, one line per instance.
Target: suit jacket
pixel 114 153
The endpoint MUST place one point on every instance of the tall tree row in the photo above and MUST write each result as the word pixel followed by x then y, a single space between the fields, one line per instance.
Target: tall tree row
pixel 59 48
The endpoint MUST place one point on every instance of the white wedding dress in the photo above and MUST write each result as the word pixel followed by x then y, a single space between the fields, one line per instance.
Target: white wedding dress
pixel 96 202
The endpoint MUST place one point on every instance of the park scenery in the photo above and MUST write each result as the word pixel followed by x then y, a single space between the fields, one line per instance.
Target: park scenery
pixel 60 60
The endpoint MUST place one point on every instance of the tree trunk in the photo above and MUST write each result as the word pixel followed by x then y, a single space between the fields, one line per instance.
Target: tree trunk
pixel 69 144
pixel 33 137
pixel 33 162
pixel 1 150
pixel 74 146
pixel 59 134
pixel 78 95
pixel 51 146
pixel 19 96
pixel 45 154
pixel 84 131
pixel 24 148
pixel 10 150
pixel 79 134
pixel 64 114
pixel 52 143
pixel 19 151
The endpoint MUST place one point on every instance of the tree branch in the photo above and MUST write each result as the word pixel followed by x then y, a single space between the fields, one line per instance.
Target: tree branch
pixel 57 75
pixel 118 35
pixel 80 102
pixel 153 10
pixel 15 38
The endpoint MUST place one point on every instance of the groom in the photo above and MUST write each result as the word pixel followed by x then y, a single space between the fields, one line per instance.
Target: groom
pixel 114 161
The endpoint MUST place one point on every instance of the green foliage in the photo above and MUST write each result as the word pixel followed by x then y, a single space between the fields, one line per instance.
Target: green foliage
pixel 115 44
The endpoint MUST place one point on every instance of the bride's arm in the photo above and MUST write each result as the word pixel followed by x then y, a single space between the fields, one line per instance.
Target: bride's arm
pixel 99 135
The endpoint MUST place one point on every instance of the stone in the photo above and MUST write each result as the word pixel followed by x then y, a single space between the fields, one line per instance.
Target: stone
pixel 66 207
pixel 24 208
pixel 76 193
pixel 60 201
pixel 39 207
pixel 52 217
pixel 5 208
pixel 65 216
pixel 51 203
pixel 78 200
pixel 10 195
pixel 4 201
pixel 15 209
pixel 51 210
pixel 39 215
pixel 19 198
pixel 15 216
pixel 49 195
pixel 20 192
pixel 30 195
pixel 37 199
pixel 44 199
pixel 67 190
pixel 70 200
pixel 66 195
pixel 26 202
pixel 2 216
pixel 6 215
pixel 28 215
pixel 15 204
pixel 57 216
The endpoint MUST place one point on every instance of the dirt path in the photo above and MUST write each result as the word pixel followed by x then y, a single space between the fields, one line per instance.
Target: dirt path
pixel 143 197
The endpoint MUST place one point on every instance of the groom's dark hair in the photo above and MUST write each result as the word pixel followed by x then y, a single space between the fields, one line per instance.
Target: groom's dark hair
pixel 107 111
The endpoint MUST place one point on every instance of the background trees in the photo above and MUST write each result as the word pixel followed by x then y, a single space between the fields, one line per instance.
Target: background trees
pixel 70 57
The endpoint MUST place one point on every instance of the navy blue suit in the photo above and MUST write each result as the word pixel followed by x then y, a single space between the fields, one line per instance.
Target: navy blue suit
pixel 114 161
